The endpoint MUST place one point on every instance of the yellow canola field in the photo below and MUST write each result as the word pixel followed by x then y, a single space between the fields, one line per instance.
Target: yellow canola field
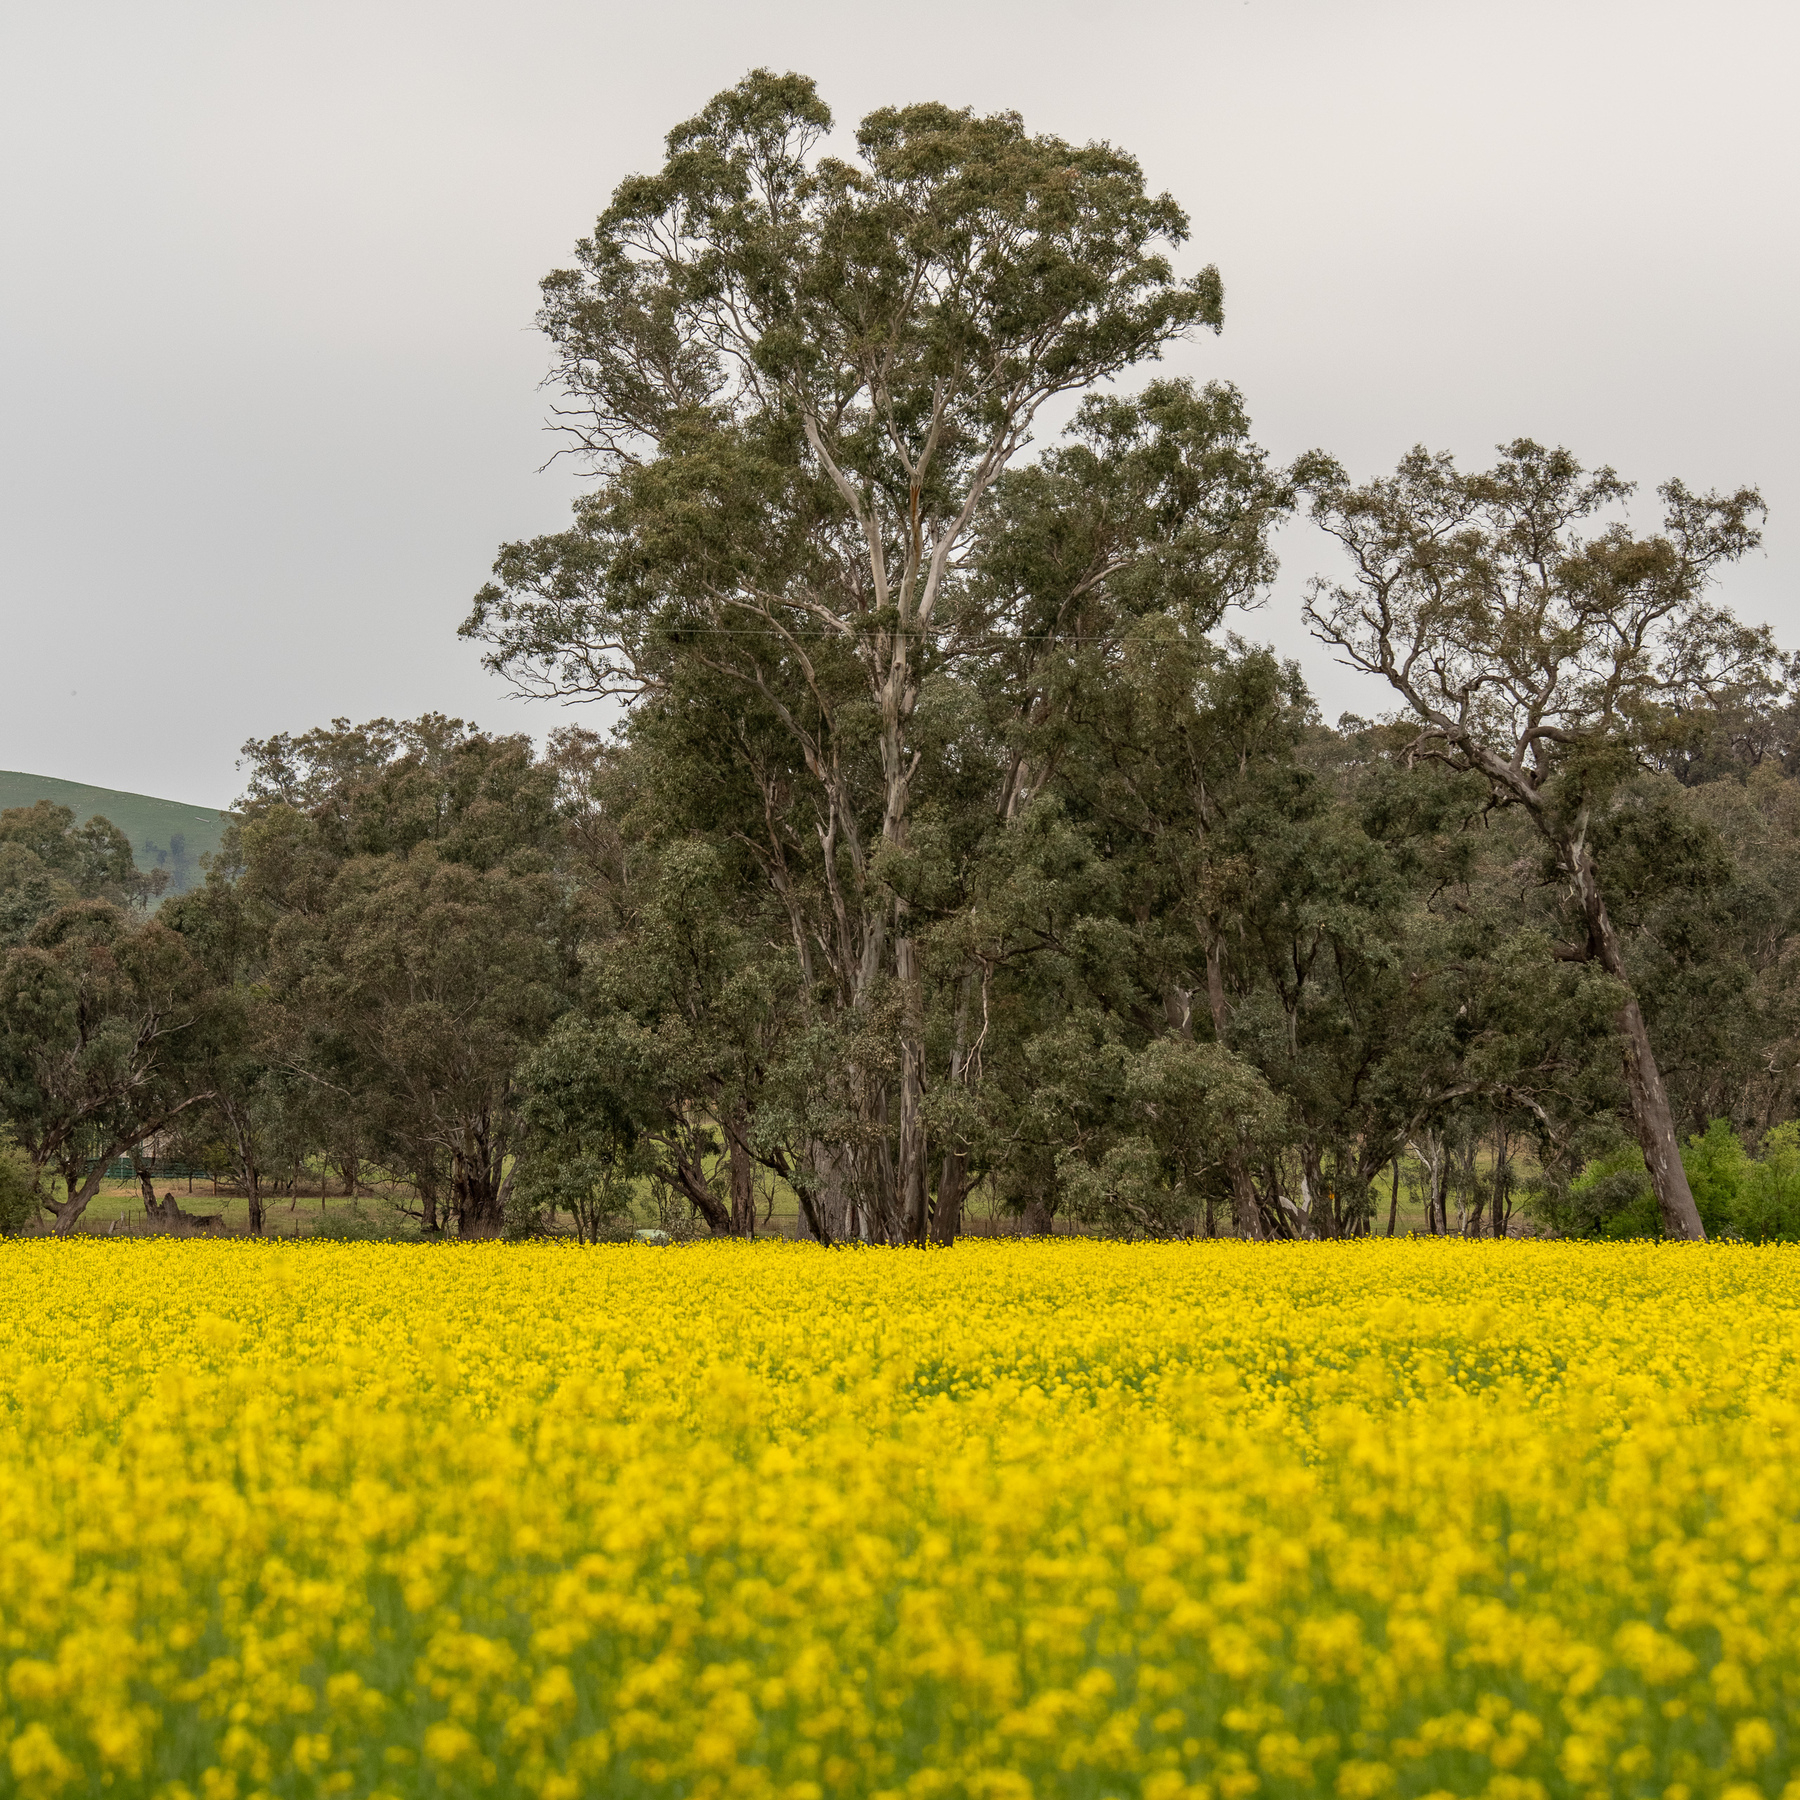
pixel 1070 1518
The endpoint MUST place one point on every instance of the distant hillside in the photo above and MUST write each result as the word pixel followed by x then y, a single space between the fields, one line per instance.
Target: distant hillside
pixel 164 834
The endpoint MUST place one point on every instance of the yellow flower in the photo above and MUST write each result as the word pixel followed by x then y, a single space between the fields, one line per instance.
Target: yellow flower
pixel 1185 1522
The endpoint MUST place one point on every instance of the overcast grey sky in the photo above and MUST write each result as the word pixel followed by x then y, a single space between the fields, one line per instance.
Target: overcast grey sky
pixel 268 380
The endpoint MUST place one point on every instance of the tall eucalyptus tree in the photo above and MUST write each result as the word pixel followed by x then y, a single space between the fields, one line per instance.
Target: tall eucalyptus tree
pixel 1547 658
pixel 799 379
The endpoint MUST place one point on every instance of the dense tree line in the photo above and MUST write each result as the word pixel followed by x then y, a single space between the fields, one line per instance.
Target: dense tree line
pixel 950 841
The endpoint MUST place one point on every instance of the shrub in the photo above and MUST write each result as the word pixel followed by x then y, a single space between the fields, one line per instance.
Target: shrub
pixel 1768 1199
pixel 1612 1198
pixel 595 1190
pixel 1738 1195
pixel 1716 1164
pixel 18 1188
pixel 358 1227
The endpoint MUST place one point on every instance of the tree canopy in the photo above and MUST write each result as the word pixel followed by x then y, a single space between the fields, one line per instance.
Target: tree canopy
pixel 954 848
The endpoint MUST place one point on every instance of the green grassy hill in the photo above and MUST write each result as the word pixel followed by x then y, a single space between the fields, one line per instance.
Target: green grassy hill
pixel 164 834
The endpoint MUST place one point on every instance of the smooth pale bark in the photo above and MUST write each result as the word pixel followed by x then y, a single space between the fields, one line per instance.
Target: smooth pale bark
pixel 953 1176
pixel 1428 1147
pixel 909 1211
pixel 914 1197
pixel 1650 1111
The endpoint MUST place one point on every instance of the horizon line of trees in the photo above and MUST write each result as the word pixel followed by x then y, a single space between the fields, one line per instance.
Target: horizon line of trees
pixel 523 982
pixel 945 840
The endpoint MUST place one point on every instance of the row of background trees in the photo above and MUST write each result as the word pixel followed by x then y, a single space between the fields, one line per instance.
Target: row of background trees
pixel 521 982
pixel 946 842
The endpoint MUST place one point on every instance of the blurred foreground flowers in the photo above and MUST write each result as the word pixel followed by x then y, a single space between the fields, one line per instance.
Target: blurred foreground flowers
pixel 1015 1519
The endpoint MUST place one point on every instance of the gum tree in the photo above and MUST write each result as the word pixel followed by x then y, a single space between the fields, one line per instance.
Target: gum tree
pixel 420 941
pixel 104 1030
pixel 1547 655
pixel 799 379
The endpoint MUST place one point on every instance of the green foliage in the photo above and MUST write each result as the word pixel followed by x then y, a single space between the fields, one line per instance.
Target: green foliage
pixel 1755 1197
pixel 1612 1197
pixel 1766 1204
pixel 580 1151
pixel 596 1191
pixel 947 850
pixel 48 861
pixel 104 1028
pixel 354 1225
pixel 1739 1195
pixel 403 940
pixel 164 835
pixel 1179 1110
pixel 1717 1166
pixel 18 1188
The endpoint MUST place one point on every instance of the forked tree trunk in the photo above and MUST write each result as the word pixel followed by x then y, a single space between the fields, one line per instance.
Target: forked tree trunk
pixel 696 1190
pixel 1430 1149
pixel 1320 1222
pixel 907 1205
pixel 80 1186
pixel 1471 1207
pixel 78 1189
pixel 477 1195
